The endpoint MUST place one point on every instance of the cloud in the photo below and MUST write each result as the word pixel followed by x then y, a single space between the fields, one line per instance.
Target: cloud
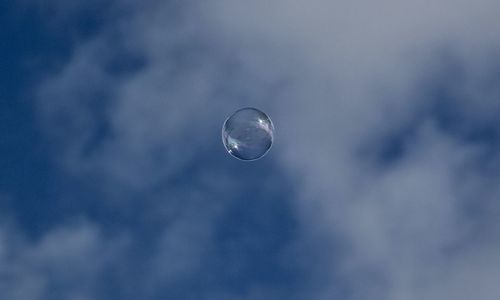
pixel 343 82
pixel 361 73
pixel 67 262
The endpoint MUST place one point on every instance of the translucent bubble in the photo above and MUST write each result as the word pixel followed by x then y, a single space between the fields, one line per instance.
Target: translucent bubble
pixel 248 134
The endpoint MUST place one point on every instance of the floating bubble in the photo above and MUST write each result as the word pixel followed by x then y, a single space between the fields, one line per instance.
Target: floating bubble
pixel 248 134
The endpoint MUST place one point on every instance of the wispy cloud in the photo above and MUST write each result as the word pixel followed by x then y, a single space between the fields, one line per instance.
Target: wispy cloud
pixel 67 262
pixel 343 81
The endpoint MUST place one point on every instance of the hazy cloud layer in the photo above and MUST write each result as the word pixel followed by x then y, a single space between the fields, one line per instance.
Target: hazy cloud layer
pixel 370 76
pixel 381 111
pixel 68 262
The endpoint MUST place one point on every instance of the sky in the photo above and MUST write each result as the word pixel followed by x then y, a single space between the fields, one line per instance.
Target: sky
pixel 382 182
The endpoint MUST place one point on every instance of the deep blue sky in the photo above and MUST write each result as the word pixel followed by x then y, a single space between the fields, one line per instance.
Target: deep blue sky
pixel 250 234
pixel 31 49
pixel 382 182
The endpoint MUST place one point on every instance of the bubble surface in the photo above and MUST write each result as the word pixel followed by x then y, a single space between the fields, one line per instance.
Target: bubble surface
pixel 248 134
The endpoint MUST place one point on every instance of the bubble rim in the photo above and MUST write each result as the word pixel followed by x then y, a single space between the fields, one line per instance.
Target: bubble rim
pixel 271 134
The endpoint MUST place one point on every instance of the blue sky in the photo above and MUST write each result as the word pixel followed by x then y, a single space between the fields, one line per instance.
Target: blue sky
pixel 382 182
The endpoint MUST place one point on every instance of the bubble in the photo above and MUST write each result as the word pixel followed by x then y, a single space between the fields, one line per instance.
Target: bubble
pixel 248 134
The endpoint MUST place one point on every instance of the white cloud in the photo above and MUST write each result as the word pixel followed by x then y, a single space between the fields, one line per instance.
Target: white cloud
pixel 336 77
pixel 64 263
pixel 359 72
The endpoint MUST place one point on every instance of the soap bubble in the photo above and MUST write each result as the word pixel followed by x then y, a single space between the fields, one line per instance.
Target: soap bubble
pixel 248 134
